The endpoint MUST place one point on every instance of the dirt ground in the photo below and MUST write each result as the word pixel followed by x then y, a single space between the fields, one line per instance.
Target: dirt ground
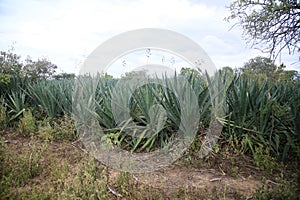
pixel 230 173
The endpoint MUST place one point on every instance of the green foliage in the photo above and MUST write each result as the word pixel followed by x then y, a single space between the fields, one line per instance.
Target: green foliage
pixel 135 74
pixel 10 63
pixel 3 116
pixel 16 104
pixel 62 129
pixel 263 159
pixel 15 76
pixel 281 189
pixel 27 125
pixel 89 183
pixel 124 182
pixel 4 79
pixel 106 76
pixel 18 169
pixel 64 76
pixel 47 133
pixel 41 69
pixel 188 72
pixel 262 68
pixel 261 111
pixel 257 111
pixel 52 97
pixel 145 103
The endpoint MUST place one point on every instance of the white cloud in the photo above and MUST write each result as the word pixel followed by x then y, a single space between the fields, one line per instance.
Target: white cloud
pixel 68 30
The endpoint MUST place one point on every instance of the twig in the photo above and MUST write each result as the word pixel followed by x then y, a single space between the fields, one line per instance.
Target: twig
pixel 206 170
pixel 135 178
pixel 269 181
pixel 78 147
pixel 29 162
pixel 243 178
pixel 223 173
pixel 114 192
pixel 215 179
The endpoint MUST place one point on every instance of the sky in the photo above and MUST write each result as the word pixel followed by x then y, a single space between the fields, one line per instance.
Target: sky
pixel 67 31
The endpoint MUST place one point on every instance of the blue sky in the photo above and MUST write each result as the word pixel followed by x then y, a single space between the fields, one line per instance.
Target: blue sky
pixel 67 31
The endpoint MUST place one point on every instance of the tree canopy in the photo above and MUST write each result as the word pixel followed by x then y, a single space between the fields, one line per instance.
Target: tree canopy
pixel 63 76
pixel 33 70
pixel 10 63
pixel 270 25
pixel 40 69
pixel 264 68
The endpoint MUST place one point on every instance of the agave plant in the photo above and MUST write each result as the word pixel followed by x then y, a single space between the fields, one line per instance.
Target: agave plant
pixel 16 104
pixel 255 112
pixel 263 113
pixel 14 97
pixel 52 96
pixel 145 118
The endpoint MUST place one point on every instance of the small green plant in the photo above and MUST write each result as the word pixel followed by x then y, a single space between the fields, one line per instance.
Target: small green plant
pixel 192 155
pixel 124 181
pixel 89 183
pixel 62 129
pixel 18 169
pixel 3 117
pixel 59 172
pixel 3 156
pixel 33 157
pixel 4 79
pixel 27 124
pixel 46 132
pixel 234 171
pixel 263 159
pixel 33 194
pixel 281 189
pixel 66 129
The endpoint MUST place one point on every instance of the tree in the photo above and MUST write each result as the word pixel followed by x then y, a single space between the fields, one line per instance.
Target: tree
pixel 264 68
pixel 261 66
pixel 190 72
pixel 63 76
pixel 106 76
pixel 275 24
pixel 135 74
pixel 40 69
pixel 10 63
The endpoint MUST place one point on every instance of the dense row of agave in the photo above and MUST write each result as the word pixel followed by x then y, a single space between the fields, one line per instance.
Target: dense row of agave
pixel 258 113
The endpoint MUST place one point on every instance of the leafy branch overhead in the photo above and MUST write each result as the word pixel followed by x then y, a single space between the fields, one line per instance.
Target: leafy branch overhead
pixel 270 25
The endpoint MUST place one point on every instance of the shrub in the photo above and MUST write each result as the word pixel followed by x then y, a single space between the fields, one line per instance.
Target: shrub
pixel 27 125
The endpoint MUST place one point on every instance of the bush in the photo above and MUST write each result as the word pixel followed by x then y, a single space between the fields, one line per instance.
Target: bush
pixel 27 125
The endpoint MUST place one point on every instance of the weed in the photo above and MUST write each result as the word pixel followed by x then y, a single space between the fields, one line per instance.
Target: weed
pixel 33 157
pixel 59 172
pixel 234 171
pixel 124 181
pixel 3 117
pixel 27 124
pixel 18 169
pixel 61 130
pixel 32 194
pixel 282 189
pixel 89 183
pixel 66 129
pixel 263 159
pixel 46 133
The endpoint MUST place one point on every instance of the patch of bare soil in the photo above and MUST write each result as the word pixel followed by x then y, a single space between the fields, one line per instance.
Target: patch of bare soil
pixel 174 177
pixel 215 175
